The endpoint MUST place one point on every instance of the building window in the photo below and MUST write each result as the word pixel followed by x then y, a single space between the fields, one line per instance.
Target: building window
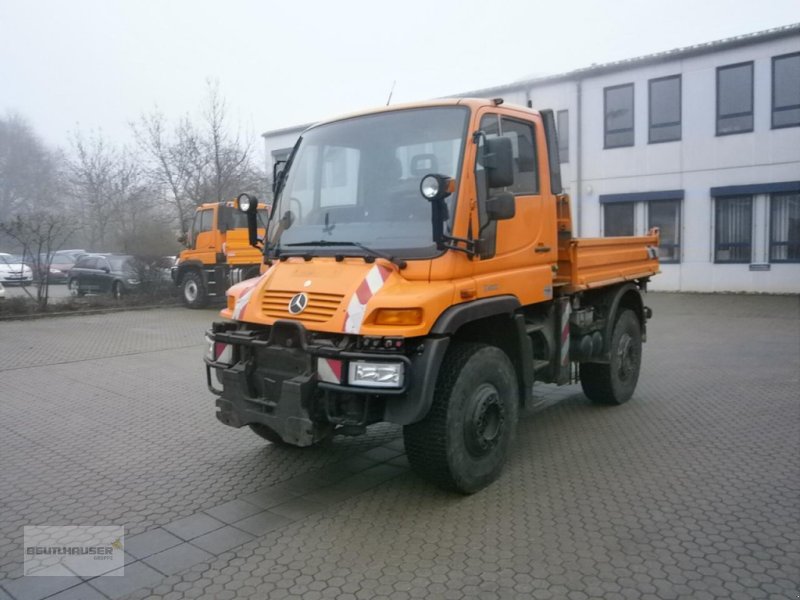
pixel 733 229
pixel 562 118
pixel 735 99
pixel 786 90
pixel 784 237
pixel 618 109
pixel 665 109
pixel 618 219
pixel 666 215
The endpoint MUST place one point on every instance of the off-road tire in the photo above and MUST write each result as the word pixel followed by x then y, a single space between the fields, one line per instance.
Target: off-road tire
pixel 193 291
pixel 462 443
pixel 614 382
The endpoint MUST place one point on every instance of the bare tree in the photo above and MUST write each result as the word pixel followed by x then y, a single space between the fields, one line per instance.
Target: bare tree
pixel 91 171
pixel 29 171
pixel 195 163
pixel 174 161
pixel 39 234
pixel 231 156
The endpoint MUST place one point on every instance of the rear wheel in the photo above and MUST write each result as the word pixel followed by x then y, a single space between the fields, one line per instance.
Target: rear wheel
pixel 194 292
pixel 614 382
pixel 462 443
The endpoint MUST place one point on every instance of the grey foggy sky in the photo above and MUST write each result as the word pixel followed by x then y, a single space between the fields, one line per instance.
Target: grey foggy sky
pixel 100 63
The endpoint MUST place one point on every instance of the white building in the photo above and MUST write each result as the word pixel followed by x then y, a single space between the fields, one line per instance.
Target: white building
pixel 703 142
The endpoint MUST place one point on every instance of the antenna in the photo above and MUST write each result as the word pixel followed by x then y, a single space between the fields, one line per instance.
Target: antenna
pixel 391 91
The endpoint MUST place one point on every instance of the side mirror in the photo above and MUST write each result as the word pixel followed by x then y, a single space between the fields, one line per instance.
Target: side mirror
pixel 498 160
pixel 183 239
pixel 249 204
pixel 501 207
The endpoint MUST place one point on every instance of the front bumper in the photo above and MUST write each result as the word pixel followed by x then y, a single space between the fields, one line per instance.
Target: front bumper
pixel 273 378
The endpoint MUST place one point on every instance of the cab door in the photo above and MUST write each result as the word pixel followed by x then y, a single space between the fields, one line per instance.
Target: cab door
pixel 203 243
pixel 517 254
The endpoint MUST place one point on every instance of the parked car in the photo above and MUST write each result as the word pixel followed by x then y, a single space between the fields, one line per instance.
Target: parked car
pixel 163 267
pixel 60 264
pixel 115 274
pixel 14 270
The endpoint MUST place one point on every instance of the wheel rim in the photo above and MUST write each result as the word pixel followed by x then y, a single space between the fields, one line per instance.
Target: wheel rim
pixel 190 291
pixel 485 420
pixel 626 359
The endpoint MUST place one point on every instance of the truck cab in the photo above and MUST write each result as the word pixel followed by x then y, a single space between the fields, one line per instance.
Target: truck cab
pixel 218 253
pixel 421 270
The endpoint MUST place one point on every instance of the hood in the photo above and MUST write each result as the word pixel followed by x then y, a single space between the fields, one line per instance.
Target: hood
pixel 336 296
pixel 13 267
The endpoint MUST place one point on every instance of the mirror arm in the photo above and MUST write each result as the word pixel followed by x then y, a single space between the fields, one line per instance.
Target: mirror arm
pixel 451 243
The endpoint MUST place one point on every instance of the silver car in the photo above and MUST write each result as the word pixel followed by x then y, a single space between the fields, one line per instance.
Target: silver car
pixel 14 271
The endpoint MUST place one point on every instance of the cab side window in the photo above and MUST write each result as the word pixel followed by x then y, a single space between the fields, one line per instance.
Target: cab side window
pixel 526 177
pixel 526 180
pixel 206 220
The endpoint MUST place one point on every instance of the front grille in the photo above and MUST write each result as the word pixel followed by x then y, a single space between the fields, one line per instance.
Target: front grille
pixel 321 307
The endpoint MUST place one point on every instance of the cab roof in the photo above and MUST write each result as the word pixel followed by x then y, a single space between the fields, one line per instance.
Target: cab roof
pixel 471 103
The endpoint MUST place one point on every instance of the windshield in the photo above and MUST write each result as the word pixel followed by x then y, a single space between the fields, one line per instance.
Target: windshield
pixel 358 180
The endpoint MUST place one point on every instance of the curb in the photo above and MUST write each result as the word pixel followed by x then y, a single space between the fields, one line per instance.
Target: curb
pixel 90 311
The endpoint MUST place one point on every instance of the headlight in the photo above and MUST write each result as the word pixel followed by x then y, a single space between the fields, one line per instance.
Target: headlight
pixel 430 186
pixel 376 374
pixel 133 281
pixel 247 203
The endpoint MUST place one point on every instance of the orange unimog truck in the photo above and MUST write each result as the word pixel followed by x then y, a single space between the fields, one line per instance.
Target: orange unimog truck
pixel 218 253
pixel 421 270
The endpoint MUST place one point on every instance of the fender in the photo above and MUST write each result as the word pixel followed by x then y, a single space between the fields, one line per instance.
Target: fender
pixel 454 317
pixel 191 265
pixel 629 296
pixel 426 366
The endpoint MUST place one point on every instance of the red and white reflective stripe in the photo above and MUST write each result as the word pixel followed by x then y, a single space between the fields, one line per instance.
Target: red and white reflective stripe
pixel 565 334
pixel 329 369
pixel 374 281
pixel 223 353
pixel 241 303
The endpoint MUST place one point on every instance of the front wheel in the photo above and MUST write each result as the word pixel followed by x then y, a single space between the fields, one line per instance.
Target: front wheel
pixel 463 442
pixel 74 288
pixel 615 381
pixel 194 292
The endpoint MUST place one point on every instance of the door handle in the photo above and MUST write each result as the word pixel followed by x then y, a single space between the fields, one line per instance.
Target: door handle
pixel 542 249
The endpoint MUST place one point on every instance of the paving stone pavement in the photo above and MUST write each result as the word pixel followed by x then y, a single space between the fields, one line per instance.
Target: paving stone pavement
pixel 688 491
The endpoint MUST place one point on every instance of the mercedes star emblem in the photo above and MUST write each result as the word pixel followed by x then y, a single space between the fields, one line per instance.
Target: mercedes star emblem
pixel 298 303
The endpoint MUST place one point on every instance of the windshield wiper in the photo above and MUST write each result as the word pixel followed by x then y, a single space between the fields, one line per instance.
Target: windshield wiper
pixel 373 253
